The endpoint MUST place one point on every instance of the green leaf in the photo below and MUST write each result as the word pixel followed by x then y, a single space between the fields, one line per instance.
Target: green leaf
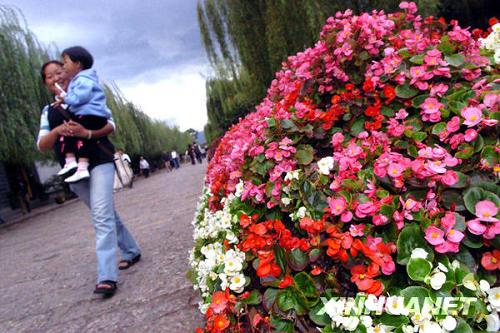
pixel 478 143
pixel 392 320
pixel 405 91
pixel 453 198
pixel 279 255
pixel 446 46
pixel 490 155
pixel 455 60
pixel 319 319
pixel 297 260
pixel 306 285
pixel 358 126
pixel 288 299
pixel 418 59
pixel 271 122
pixel 415 291
pixel 438 128
pixel 254 298
pixel 288 124
pixel 418 269
pixel 304 154
pixel 419 100
pixel 388 112
pixel 462 327
pixel 463 180
pixel 472 196
pixel 465 151
pixel 269 298
pixel 280 325
pixel 420 136
pixel 410 238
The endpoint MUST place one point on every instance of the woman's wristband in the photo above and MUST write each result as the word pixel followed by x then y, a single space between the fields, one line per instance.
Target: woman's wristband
pixel 90 135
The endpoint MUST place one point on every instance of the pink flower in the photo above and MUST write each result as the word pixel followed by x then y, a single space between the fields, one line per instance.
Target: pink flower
pixel 366 209
pixel 436 166
pixel 470 135
pixel 433 58
pixel 454 236
pixel 476 227
pixel 449 178
pixel 439 90
pixel 431 110
pixel 380 220
pixel 401 114
pixel 453 125
pixel 346 216
pixel 486 211
pixel 447 246
pixel 395 170
pixel 337 139
pixel 337 206
pixel 357 230
pixel 472 115
pixel 448 220
pixel 434 236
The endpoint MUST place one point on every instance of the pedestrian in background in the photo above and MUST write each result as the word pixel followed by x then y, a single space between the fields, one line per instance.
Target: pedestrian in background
pixel 144 166
pixel 175 159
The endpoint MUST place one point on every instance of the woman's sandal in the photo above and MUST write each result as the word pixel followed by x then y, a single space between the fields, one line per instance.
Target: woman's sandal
pixel 126 264
pixel 109 289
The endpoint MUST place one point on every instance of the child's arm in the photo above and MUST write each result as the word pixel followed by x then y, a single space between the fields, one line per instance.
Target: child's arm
pixel 80 92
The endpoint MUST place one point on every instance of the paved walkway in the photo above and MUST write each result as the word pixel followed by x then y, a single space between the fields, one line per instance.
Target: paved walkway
pixel 48 268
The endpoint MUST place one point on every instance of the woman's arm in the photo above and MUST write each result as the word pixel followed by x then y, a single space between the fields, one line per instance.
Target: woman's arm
pixel 46 141
pixel 75 129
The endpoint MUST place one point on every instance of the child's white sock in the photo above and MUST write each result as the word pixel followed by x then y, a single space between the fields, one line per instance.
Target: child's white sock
pixel 69 159
pixel 83 165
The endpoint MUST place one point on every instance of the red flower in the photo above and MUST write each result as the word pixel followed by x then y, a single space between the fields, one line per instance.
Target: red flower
pixel 311 226
pixel 363 277
pixel 219 301
pixel 389 93
pixel 245 220
pixel 491 261
pixel 368 86
pixel 220 323
pixel 287 281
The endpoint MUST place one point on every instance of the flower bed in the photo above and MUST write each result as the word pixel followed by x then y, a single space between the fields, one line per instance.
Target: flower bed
pixel 370 171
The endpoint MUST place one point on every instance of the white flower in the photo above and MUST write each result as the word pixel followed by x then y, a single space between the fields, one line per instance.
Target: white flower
pixel 351 323
pixel 496 56
pixel 449 323
pixel 469 282
pixel 419 253
pixel 408 329
pixel 455 264
pixel 431 327
pixel 239 189
pixel 231 237
pixel 232 265
pixel 442 268
pixel 420 318
pixel 291 175
pixel 395 306
pixel 374 304
pixel 367 321
pixel 377 329
pixel 237 283
pixel 285 201
pixel 334 308
pixel 494 298
pixel 493 322
pixel 484 285
pixel 325 165
pixel 301 213
pixel 437 280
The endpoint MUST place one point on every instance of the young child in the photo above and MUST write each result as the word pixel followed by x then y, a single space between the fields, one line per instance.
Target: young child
pixel 87 106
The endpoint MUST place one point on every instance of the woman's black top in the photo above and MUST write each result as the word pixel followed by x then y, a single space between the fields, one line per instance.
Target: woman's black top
pixel 104 153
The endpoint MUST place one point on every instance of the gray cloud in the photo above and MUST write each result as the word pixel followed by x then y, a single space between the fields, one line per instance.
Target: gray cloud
pixel 128 38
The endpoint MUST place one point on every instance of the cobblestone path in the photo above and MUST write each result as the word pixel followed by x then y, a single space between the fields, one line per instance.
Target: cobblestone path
pixel 48 267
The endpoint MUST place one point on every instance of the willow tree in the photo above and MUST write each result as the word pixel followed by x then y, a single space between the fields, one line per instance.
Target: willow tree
pixel 22 94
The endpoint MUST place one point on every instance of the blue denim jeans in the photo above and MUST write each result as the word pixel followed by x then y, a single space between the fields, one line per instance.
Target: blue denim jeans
pixel 110 232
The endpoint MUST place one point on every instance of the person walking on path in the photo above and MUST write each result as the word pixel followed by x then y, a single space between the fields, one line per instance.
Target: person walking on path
pixel 124 176
pixel 144 166
pixel 97 191
pixel 197 153
pixel 175 159
pixel 191 154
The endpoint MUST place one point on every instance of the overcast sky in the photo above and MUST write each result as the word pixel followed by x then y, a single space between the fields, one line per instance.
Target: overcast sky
pixel 150 48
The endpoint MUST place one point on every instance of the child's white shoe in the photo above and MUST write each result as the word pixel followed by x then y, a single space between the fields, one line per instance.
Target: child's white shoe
pixel 79 175
pixel 68 167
